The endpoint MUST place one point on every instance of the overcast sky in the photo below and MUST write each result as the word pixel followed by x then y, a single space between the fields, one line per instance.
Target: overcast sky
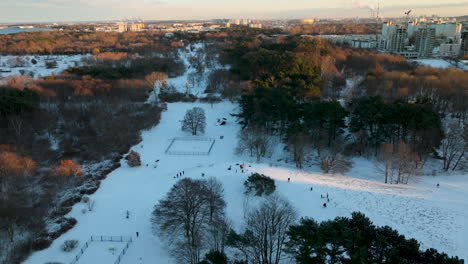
pixel 91 10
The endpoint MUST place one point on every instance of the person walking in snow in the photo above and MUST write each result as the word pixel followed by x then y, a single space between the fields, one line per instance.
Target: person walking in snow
pixel 324 205
pixel 289 179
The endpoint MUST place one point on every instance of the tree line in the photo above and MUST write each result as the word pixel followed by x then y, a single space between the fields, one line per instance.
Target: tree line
pixel 51 127
pixel 288 88
pixel 81 42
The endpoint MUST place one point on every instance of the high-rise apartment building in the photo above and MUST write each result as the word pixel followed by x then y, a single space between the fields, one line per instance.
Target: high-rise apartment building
pixel 424 41
pixel 396 38
pixel 464 42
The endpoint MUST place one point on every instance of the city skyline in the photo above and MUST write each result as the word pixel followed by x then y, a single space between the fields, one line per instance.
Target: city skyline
pixel 96 10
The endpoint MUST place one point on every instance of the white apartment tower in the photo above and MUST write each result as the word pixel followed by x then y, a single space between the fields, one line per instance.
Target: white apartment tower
pixel 424 41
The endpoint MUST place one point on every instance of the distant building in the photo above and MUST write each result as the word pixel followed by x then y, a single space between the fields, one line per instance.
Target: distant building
pixel 134 27
pixel 255 25
pixel 412 27
pixel 396 39
pixel 447 29
pixel 424 41
pixel 364 44
pixel 449 49
pixel 307 21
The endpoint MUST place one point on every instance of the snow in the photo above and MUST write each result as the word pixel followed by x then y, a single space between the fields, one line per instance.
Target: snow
pixel 198 87
pixel 437 217
pixel 190 145
pixel 9 63
pixel 108 252
pixel 436 63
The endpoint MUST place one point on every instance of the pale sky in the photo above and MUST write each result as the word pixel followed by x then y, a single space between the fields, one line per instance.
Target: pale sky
pixel 92 10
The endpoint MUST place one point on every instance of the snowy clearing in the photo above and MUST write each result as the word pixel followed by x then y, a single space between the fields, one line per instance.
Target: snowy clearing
pixel 436 217
pixel 436 63
pixel 18 65
pixel 104 252
pixel 190 146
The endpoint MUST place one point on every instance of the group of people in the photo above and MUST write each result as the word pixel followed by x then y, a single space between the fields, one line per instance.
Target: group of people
pixel 241 167
pixel 321 196
pixel 179 174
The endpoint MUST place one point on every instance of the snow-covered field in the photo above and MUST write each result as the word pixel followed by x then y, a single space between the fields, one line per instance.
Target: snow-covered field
pixel 188 145
pixel 436 63
pixel 437 217
pixel 101 252
pixel 18 65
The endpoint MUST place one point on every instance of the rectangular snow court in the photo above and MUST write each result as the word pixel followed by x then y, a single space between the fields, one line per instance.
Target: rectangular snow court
pixel 102 253
pixel 190 146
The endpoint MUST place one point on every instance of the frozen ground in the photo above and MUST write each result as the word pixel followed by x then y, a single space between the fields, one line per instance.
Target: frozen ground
pixel 16 65
pixel 186 145
pixel 101 252
pixel 437 217
pixel 436 63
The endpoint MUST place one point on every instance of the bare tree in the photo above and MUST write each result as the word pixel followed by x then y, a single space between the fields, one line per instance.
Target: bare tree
pixel 385 161
pixel 191 215
pixel 194 121
pixel 255 140
pixel 157 81
pixel 66 174
pixel 332 161
pixel 398 163
pixel 453 146
pixel 16 123
pixel 218 224
pixel 266 231
pixel 298 142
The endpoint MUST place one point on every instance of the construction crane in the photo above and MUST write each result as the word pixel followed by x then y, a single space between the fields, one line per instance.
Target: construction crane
pixel 407 14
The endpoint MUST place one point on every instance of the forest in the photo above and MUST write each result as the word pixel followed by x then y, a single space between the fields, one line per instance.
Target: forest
pixel 297 89
pixel 51 129
pixel 72 42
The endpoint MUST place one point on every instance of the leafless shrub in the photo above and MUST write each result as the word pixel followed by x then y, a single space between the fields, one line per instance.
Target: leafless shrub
pixel 331 160
pixel 69 245
pixel 133 159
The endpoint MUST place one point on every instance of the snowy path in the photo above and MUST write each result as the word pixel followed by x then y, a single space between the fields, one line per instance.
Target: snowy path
pixel 436 217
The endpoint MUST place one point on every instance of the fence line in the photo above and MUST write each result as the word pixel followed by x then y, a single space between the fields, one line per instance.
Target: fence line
pixel 195 153
pixel 128 240
pixel 122 253
pixel 111 239
pixel 81 252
